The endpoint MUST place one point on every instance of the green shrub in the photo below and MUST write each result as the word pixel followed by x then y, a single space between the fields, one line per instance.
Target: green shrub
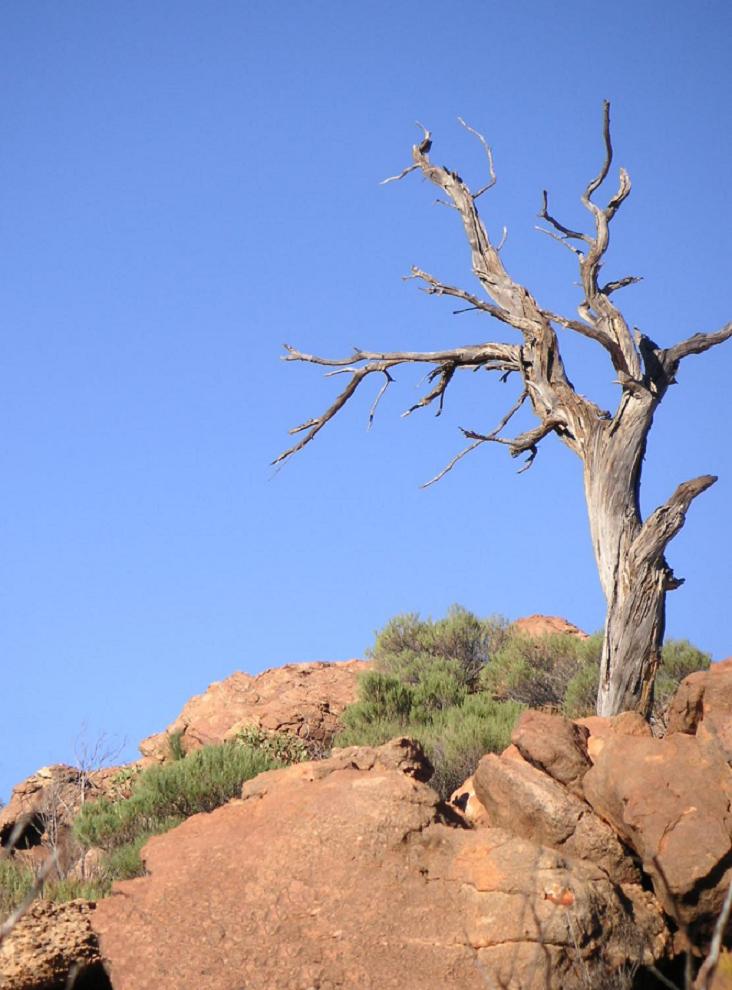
pixel 175 745
pixel 538 670
pixel 580 697
pixel 163 796
pixel 407 644
pixel 381 698
pixel 282 747
pixel 16 880
pixel 372 733
pixel 125 862
pixel 458 737
pixel 454 727
pixel 454 738
pixel 563 672
pixel 71 888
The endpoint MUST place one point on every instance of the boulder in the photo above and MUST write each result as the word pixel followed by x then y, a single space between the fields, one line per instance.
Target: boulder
pixel 555 745
pixel 547 625
pixel 303 699
pixel 602 728
pixel 350 872
pixel 702 706
pixel 53 945
pixel 670 799
pixel 521 799
pixel 468 803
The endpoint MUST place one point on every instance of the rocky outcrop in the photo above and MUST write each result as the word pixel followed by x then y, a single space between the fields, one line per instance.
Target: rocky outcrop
pixel 350 872
pixel 671 800
pixel 555 745
pixel 42 808
pixel 521 799
pixel 52 946
pixel 547 625
pixel 604 727
pixel 702 706
pixel 303 699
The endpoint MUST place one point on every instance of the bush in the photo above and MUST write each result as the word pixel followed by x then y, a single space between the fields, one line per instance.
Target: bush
pixel 537 671
pixel 454 738
pixel 282 747
pixel 457 685
pixel 16 880
pixel 408 645
pixel 428 697
pixel 163 796
pixel 563 672
pixel 458 737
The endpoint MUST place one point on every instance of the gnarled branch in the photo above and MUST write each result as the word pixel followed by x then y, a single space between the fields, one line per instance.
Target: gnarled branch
pixel 696 344
pixel 494 357
pixel 662 525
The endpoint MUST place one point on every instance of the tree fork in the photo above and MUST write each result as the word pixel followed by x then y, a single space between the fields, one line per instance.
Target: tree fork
pixel 629 552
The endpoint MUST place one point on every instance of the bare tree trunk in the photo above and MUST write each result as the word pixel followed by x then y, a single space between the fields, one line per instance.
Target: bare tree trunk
pixel 629 551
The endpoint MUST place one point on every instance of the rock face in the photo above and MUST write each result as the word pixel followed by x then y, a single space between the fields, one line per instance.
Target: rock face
pixel 304 699
pixel 351 873
pixel 702 706
pixel 53 945
pixel 601 728
pixel 42 807
pixel 671 800
pixel 555 745
pixel 520 798
pixel 547 625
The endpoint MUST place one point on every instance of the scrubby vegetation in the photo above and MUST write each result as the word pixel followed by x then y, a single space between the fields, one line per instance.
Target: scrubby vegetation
pixel 159 798
pixel 165 795
pixel 458 685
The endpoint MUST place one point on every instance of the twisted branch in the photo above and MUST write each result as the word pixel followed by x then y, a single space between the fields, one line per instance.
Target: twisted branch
pixel 494 357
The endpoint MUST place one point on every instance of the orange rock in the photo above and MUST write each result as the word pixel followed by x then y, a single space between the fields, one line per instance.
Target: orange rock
pixel 602 728
pixel 52 946
pixel 670 799
pixel 469 804
pixel 350 873
pixel 555 745
pixel 304 699
pixel 702 706
pixel 547 625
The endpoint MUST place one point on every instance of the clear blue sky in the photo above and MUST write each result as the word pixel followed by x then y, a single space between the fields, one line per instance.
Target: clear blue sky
pixel 186 185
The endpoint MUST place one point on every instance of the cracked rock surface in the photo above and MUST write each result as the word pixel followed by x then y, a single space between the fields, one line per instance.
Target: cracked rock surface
pixel 303 699
pixel 51 946
pixel 350 872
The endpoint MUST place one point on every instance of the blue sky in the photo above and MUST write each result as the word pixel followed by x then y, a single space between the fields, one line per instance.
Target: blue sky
pixel 183 187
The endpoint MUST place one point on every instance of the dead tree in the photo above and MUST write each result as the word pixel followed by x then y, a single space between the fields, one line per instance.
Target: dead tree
pixel 629 551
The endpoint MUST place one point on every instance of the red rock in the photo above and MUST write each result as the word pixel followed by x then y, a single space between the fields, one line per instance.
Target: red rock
pixel 521 799
pixel 350 873
pixel 602 728
pixel 467 801
pixel 702 705
pixel 671 800
pixel 48 945
pixel 555 745
pixel 547 625
pixel 305 699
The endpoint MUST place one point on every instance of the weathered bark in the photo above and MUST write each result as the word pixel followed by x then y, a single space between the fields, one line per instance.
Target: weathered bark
pixel 629 552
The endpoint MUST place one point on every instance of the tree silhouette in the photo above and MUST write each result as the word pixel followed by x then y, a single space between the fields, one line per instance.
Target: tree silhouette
pixel 629 551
